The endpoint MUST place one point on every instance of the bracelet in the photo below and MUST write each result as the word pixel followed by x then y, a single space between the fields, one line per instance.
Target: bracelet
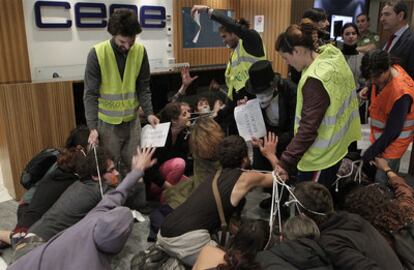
pixel 387 171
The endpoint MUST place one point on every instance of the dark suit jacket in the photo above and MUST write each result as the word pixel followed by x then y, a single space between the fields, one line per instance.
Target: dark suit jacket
pixel 403 50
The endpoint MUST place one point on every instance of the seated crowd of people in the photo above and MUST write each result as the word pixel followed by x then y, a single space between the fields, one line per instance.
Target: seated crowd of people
pixel 330 206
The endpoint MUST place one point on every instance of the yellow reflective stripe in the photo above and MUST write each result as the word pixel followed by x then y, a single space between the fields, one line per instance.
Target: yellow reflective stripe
pixel 117 113
pixel 331 120
pixel 326 143
pixel 116 97
pixel 403 135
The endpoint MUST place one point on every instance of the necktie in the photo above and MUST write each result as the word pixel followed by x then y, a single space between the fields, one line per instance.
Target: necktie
pixel 389 42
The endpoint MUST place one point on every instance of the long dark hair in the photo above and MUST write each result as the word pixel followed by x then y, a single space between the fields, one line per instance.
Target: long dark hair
pixel 248 241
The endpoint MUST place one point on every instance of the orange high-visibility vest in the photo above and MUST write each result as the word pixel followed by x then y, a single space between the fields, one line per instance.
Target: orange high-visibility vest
pixel 381 106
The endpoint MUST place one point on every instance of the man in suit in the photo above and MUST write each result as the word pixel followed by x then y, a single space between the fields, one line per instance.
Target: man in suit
pixel 401 42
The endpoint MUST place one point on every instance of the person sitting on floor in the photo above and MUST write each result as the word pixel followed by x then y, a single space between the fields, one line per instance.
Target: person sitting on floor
pixel 350 241
pixel 249 239
pixel 385 212
pixel 91 243
pixel 187 229
pixel 74 203
pixel 48 190
pixel 172 158
pixel 205 136
pixel 299 248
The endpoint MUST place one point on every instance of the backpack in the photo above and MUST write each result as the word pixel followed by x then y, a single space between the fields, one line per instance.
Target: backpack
pixel 404 245
pixel 38 166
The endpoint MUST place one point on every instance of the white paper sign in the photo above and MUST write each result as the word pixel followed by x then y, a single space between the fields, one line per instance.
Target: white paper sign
pixel 197 21
pixel 249 120
pixel 259 23
pixel 155 137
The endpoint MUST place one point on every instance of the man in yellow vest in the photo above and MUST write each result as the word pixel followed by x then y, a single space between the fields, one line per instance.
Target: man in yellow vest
pixel 117 78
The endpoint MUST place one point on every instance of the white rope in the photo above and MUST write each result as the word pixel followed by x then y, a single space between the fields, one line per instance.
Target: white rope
pixel 98 171
pixel 358 176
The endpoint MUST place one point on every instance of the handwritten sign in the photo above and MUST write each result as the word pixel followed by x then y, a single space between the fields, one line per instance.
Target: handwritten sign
pixel 155 137
pixel 249 120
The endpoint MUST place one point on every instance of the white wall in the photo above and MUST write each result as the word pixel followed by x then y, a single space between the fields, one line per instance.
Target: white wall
pixel 65 50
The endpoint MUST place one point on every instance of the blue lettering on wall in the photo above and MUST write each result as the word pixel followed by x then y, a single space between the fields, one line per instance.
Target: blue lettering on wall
pixel 79 15
pixel 38 16
pixel 152 16
pixel 149 16
pixel 116 6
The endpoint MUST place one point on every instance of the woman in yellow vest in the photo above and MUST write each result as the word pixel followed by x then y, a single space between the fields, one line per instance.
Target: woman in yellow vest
pixel 327 117
pixel 391 110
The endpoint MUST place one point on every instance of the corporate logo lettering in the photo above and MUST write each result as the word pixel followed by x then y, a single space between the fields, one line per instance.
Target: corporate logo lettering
pixel 149 16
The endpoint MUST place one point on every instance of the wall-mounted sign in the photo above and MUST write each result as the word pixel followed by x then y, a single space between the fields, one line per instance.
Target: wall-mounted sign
pixel 60 33
pixel 149 16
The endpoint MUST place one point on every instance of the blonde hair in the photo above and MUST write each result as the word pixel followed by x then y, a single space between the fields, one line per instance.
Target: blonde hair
pixel 301 227
pixel 205 136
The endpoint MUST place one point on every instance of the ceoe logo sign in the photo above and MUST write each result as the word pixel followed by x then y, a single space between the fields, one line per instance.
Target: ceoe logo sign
pixel 149 16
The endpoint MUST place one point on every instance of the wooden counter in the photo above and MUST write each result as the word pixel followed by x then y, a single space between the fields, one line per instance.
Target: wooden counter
pixel 33 116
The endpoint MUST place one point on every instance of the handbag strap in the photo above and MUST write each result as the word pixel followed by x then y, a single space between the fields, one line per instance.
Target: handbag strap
pixel 219 205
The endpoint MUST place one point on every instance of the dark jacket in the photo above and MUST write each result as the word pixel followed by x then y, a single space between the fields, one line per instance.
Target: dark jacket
pixel 292 255
pixel 403 51
pixel 90 243
pixel 48 191
pixel 351 242
pixel 72 206
pixel 177 150
pixel 287 106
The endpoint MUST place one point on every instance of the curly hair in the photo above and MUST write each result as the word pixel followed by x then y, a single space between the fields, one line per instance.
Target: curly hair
pixel 124 22
pixel 68 158
pixel 86 167
pixel 231 151
pixel 75 144
pixel 205 137
pixel 248 241
pixel 375 62
pixel 373 204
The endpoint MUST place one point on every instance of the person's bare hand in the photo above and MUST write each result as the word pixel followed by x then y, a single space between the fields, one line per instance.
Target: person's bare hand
pixel 198 8
pixel 143 160
pixel 186 78
pixel 242 101
pixel 363 94
pixel 381 164
pixel 153 120
pixel 282 173
pixel 257 142
pixel 93 137
pixel 268 148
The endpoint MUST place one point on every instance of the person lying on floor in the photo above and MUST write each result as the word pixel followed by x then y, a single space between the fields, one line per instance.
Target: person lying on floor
pixel 299 248
pixel 90 243
pixel 74 203
pixel 250 238
pixel 350 241
pixel 48 190
pixel 187 229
